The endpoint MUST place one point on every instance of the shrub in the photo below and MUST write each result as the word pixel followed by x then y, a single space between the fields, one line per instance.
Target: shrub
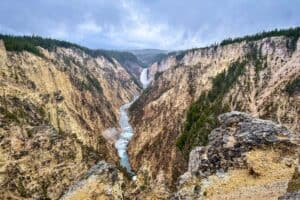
pixel 21 189
pixel 293 34
pixel 202 115
pixel 293 86
pixel 30 44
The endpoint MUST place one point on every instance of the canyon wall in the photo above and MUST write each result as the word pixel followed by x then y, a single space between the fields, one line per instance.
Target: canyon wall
pixel 59 110
pixel 254 77
pixel 53 111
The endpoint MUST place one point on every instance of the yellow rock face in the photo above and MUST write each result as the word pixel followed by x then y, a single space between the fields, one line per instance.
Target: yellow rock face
pixel 104 185
pixel 159 117
pixel 267 177
pixel 53 110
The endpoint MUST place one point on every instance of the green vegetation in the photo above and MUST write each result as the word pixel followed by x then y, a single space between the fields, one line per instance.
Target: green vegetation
pixel 121 56
pixel 180 56
pixel 293 86
pixel 149 56
pixel 59 130
pixel 255 57
pixel 29 133
pixel 9 116
pixel 31 43
pixel 93 82
pixel 202 114
pixel 292 33
pixel 157 75
pixel 156 58
pixel 294 184
pixel 13 43
pixel 21 189
pixel 44 189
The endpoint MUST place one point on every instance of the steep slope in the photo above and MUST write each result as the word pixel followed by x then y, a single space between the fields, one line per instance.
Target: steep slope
pixel 56 101
pixel 103 181
pixel 189 90
pixel 246 158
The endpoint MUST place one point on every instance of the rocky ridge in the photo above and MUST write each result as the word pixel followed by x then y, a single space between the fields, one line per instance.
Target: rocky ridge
pixel 263 154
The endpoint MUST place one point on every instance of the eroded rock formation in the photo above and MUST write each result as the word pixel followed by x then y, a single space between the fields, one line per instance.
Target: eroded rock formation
pixel 266 69
pixel 53 111
pixel 246 158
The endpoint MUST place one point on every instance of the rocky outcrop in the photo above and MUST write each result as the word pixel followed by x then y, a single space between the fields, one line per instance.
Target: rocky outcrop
pixel 239 133
pixel 293 190
pixel 263 154
pixel 102 181
pixel 42 163
pixel 290 196
pixel 53 111
pixel 159 115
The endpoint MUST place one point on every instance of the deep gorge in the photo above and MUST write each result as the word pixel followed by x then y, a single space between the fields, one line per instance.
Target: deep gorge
pixel 208 123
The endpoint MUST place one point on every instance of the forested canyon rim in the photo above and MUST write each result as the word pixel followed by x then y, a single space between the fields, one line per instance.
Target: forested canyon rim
pixel 58 133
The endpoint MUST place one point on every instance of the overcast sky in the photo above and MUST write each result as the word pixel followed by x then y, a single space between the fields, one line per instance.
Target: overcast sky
pixel 132 24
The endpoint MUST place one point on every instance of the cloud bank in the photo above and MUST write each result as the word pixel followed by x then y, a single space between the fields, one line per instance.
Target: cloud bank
pixel 131 24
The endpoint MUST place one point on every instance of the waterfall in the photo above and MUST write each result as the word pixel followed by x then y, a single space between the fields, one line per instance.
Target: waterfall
pixel 144 78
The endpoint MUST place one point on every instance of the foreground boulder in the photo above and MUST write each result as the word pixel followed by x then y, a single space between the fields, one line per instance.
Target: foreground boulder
pixel 102 181
pixel 246 158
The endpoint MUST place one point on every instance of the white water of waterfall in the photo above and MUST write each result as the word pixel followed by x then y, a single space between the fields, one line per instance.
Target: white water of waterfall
pixel 144 78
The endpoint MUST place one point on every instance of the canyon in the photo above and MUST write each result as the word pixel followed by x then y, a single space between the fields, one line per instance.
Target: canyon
pixel 219 122
pixel 179 80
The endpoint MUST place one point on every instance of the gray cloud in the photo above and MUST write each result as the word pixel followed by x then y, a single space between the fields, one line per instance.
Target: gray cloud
pixel 128 24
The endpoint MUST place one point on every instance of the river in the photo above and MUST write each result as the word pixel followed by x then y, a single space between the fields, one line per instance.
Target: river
pixel 126 134
pixel 126 130
pixel 121 145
